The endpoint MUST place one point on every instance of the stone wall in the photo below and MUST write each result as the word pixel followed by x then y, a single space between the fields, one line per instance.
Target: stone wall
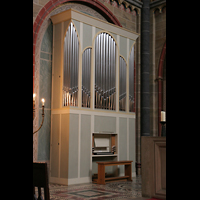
pixel 124 11
pixel 129 16
pixel 157 41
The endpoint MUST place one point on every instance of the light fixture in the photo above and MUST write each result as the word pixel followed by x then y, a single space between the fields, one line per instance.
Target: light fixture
pixel 43 101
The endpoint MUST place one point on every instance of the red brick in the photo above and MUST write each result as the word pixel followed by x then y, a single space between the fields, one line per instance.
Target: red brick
pixel 54 1
pixel 34 38
pixel 48 5
pixel 33 49
pixel 62 1
pixel 34 27
pixel 37 20
pixel 42 11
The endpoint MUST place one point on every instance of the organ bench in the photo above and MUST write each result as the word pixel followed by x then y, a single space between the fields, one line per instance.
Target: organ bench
pixel 101 171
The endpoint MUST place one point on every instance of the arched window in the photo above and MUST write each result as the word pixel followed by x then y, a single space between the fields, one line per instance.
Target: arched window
pixel 71 63
pixel 131 81
pixel 86 71
pixel 105 68
pixel 122 84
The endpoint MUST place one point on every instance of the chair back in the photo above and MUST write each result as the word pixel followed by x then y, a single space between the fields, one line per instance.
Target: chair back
pixel 40 180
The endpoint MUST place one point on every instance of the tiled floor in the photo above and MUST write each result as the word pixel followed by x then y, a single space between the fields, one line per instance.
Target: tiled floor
pixel 114 190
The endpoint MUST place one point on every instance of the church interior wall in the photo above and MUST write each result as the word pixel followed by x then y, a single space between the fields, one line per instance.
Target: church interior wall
pixel 157 41
pixel 130 18
pixel 43 87
pixel 45 92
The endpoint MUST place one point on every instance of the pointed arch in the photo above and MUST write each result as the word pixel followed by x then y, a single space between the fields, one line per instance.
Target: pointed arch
pixel 51 5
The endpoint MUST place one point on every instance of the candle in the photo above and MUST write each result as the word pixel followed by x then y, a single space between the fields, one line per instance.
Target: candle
pixel 67 98
pixel 163 117
pixel 34 105
pixel 43 100
pixel 34 95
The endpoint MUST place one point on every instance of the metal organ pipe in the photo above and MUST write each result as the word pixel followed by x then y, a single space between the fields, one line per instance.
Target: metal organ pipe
pixel 71 62
pixel 122 84
pixel 86 71
pixel 105 72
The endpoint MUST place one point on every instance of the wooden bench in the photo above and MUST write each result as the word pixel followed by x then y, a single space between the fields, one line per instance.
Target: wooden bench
pixel 101 171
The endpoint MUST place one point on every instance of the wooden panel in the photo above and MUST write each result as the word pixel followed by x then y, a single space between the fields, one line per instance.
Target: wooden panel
pixel 112 140
pixel 104 123
pixel 122 141
pixel 55 145
pixel 73 146
pixel 153 163
pixel 160 168
pixel 85 147
pixel 64 146
pixel 56 71
pixel 116 178
pixel 115 163
pixel 128 171
pixel 101 174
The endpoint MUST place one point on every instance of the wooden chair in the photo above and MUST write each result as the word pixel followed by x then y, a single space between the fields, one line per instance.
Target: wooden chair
pixel 40 180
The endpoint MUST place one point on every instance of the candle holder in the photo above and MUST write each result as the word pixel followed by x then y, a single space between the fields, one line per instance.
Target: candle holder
pixel 163 130
pixel 34 113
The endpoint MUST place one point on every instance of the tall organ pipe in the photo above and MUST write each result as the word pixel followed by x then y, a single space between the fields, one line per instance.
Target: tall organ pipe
pixel 122 84
pixel 105 72
pixel 86 72
pixel 71 62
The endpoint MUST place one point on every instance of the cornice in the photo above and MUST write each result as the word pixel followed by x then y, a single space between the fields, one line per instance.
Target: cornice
pixel 136 3
pixel 157 3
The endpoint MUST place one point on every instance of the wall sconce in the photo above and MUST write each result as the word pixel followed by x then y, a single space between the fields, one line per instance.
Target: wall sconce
pixel 43 101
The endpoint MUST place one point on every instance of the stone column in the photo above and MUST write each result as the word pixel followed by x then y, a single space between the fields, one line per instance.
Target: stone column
pixel 145 65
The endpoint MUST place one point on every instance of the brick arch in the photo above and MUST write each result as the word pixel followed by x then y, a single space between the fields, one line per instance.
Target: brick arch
pixel 95 4
pixel 160 86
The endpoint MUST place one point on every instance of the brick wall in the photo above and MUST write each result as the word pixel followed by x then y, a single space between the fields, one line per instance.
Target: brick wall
pixel 124 12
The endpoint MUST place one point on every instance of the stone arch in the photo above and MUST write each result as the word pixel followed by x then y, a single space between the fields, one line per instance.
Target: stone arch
pixel 51 5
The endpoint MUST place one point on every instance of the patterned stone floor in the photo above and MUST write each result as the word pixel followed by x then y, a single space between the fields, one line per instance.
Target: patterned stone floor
pixel 114 190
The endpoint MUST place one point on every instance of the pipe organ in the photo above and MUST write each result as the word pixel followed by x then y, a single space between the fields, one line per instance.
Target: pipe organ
pixel 86 73
pixel 71 63
pixel 92 92
pixel 122 84
pixel 105 67
pixel 131 81
pixel 109 62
